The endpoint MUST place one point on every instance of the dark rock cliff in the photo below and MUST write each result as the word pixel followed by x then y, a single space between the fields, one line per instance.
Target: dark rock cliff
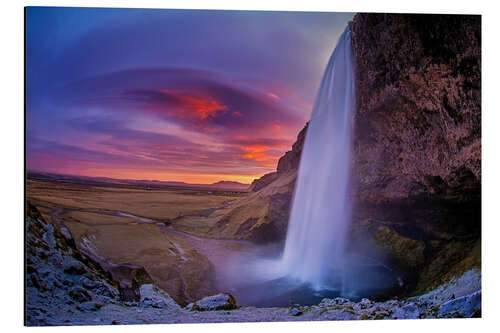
pixel 418 119
pixel 417 145
pixel 417 139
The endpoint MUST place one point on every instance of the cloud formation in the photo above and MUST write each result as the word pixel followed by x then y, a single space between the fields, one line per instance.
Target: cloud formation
pixel 197 96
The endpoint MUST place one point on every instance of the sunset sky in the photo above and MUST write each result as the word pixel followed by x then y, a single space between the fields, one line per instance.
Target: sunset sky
pixel 177 95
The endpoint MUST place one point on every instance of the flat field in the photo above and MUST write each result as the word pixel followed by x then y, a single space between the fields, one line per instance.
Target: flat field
pixel 159 204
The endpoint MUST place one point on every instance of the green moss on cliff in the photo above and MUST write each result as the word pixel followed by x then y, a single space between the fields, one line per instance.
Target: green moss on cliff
pixel 452 260
pixel 404 252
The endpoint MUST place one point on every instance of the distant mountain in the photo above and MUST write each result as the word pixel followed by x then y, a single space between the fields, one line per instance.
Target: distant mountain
pixel 143 183
pixel 230 185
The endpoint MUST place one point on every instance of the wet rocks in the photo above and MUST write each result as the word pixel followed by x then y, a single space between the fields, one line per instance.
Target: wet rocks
pixel 222 301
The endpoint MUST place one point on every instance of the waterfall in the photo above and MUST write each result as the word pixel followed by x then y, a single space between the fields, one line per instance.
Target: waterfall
pixel 321 209
pixel 314 264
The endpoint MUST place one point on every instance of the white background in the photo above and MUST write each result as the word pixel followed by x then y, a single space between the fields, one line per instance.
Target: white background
pixel 12 162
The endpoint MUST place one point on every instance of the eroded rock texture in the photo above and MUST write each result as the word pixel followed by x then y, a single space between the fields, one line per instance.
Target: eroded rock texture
pixel 418 119
pixel 417 139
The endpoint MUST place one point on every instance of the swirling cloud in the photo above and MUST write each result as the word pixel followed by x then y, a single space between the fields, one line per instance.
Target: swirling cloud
pixel 171 95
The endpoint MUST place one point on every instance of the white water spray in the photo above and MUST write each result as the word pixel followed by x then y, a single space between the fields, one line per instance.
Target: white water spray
pixel 321 208
pixel 314 264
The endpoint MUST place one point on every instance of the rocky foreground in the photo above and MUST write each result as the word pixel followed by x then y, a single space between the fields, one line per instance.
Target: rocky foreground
pixel 459 299
pixel 66 287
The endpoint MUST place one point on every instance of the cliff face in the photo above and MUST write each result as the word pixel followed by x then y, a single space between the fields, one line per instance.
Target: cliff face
pixel 418 119
pixel 417 138
pixel 417 146
pixel 287 163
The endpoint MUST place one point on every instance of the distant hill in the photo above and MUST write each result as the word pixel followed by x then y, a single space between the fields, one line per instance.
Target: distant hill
pixel 230 185
pixel 222 185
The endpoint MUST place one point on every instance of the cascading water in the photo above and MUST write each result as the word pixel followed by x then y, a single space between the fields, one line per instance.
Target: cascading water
pixel 313 264
pixel 321 208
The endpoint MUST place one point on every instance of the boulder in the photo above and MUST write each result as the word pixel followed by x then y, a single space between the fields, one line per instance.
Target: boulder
pixel 222 301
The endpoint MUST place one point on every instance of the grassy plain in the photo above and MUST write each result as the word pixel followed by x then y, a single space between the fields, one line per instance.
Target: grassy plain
pixel 160 204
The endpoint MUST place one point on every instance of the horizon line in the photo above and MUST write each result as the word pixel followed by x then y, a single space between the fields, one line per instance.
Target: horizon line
pixel 129 179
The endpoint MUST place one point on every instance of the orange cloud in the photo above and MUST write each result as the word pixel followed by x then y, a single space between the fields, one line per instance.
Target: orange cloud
pixel 274 96
pixel 259 153
pixel 203 108
pixel 196 107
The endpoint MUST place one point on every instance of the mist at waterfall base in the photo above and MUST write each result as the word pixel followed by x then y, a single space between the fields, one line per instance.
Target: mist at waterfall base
pixel 313 264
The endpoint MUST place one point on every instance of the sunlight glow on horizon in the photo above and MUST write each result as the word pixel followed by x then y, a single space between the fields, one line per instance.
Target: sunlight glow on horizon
pixel 204 179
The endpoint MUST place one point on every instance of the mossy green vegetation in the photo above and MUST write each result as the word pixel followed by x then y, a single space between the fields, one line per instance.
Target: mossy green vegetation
pixel 404 252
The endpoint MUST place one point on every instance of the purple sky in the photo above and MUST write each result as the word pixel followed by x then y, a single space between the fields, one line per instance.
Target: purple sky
pixel 181 95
